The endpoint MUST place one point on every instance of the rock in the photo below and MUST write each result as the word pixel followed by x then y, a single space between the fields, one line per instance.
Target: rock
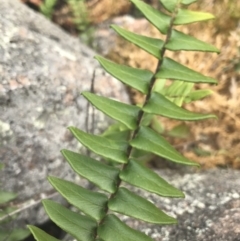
pixel 42 72
pixel 209 212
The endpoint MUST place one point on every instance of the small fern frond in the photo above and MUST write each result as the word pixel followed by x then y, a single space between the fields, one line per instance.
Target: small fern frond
pixel 98 220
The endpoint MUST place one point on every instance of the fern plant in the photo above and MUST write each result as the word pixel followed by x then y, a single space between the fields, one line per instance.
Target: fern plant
pixel 97 220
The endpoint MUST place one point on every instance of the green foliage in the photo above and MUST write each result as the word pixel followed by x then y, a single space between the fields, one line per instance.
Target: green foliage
pixel 47 7
pixel 5 234
pixel 80 14
pixel 132 135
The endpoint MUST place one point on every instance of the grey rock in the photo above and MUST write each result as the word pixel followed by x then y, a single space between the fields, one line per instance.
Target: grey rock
pixel 42 72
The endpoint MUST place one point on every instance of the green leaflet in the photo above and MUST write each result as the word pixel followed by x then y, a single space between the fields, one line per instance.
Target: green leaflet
pixel 177 92
pixel 181 130
pixel 185 16
pixel 160 105
pixel 169 4
pixel 14 235
pixel 91 203
pixel 138 207
pixel 140 176
pixel 171 69
pixel 160 20
pixel 177 89
pixel 81 227
pixel 149 140
pixel 151 45
pixel 40 235
pixel 139 79
pixel 124 113
pixel 181 41
pixel 187 2
pixel 114 150
pixel 113 228
pixel 104 176
pixel 197 95
pixel 6 196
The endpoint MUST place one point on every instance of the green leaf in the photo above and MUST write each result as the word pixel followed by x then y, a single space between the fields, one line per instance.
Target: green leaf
pixel 140 176
pixel 114 150
pixel 160 105
pixel 185 16
pixel 112 228
pixel 146 119
pixel 151 45
pixel 160 20
pixel 81 227
pixel 1 166
pixel 177 91
pixel 91 203
pixel 169 5
pixel 159 85
pixel 118 135
pixel 14 235
pixel 171 69
pixel 104 176
pixel 141 156
pixel 198 95
pixel 157 125
pixel 187 2
pixel 181 41
pixel 138 79
pixel 148 140
pixel 181 131
pixel 4 214
pixel 130 204
pixel 6 196
pixel 40 235
pixel 124 113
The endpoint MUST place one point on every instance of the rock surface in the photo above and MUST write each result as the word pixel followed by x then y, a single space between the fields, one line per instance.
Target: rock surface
pixel 42 72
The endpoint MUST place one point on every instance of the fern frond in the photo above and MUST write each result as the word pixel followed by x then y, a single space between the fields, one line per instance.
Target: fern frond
pixel 98 220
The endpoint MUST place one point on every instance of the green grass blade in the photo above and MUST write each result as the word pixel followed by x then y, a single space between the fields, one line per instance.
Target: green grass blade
pixel 104 176
pixel 149 140
pixel 124 113
pixel 114 150
pixel 91 203
pixel 130 204
pixel 138 175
